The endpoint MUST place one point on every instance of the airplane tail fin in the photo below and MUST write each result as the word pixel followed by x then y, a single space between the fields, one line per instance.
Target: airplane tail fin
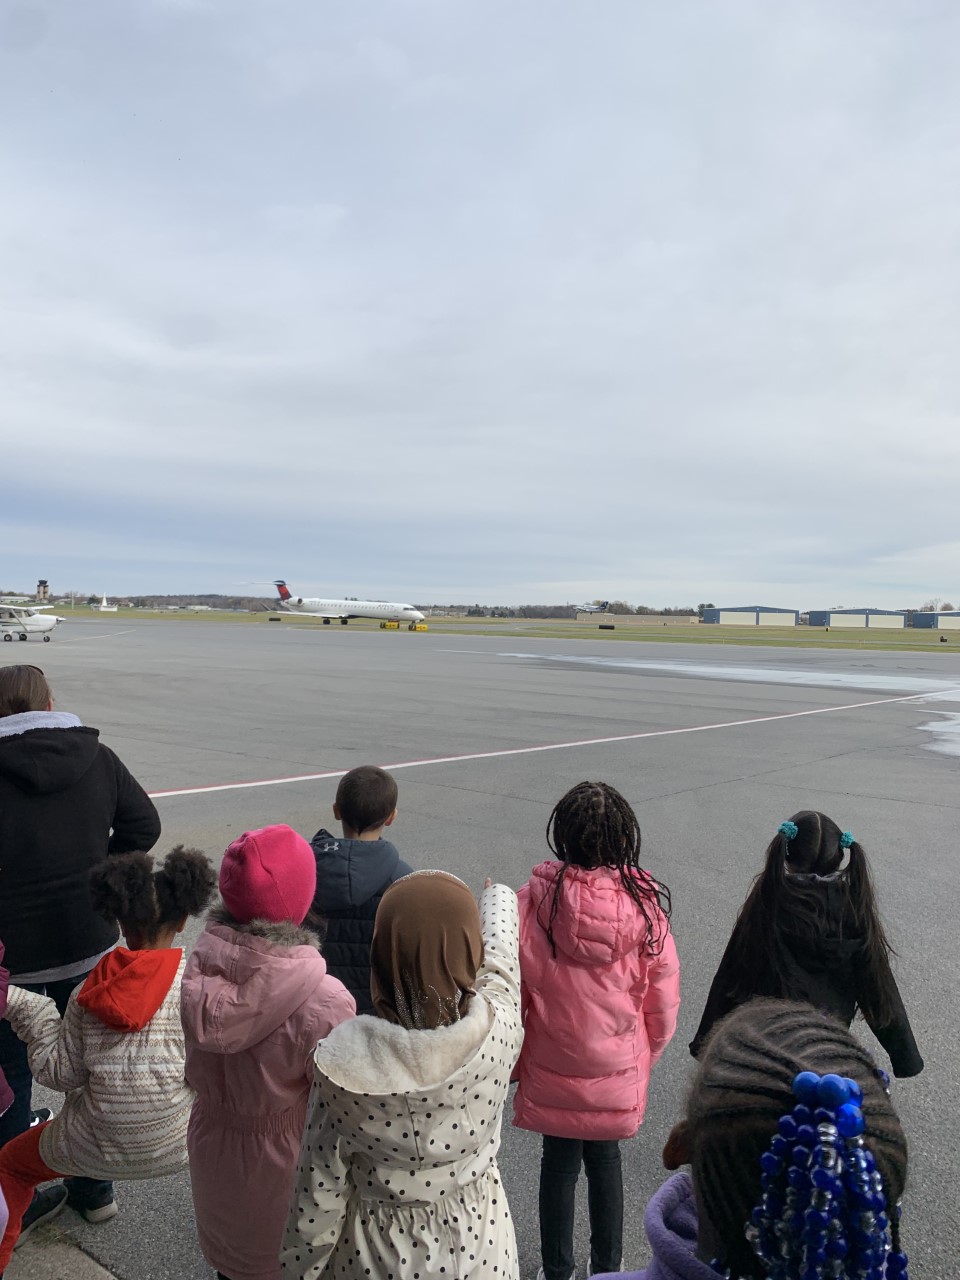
pixel 282 590
pixel 604 605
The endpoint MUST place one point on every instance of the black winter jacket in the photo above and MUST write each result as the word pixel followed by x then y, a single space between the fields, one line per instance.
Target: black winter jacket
pixel 352 877
pixel 66 802
pixel 827 970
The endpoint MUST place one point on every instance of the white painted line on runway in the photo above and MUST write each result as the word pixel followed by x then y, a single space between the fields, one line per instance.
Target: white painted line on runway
pixel 549 746
pixel 80 639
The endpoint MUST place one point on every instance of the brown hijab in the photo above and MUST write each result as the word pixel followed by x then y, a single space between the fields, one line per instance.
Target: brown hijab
pixel 427 948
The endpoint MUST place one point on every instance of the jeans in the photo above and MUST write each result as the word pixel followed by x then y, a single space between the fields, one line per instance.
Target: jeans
pixel 559 1171
pixel 84 1193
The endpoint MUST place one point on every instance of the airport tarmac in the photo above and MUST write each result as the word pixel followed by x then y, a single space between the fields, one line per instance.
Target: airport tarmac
pixel 714 747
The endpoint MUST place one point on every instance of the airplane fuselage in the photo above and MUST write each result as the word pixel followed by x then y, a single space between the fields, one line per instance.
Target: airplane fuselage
pixel 383 610
pixel 24 623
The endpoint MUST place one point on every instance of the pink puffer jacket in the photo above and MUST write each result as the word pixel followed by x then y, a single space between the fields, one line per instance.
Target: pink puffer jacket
pixel 598 1015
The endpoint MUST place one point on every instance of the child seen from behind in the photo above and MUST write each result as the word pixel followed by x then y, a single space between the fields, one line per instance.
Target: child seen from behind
pixel 398 1172
pixel 353 872
pixel 810 930
pixel 118 1054
pixel 256 999
pixel 601 990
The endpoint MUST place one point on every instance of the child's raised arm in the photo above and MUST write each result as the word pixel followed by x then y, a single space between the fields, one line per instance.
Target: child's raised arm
pixel 319 1204
pixel 54 1048
pixel 498 978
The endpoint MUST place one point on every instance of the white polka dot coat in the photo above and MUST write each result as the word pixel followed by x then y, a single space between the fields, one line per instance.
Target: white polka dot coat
pixel 398 1176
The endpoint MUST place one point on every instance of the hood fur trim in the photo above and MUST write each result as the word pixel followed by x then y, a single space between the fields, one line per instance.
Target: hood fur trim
pixel 283 933
pixel 25 721
pixel 370 1055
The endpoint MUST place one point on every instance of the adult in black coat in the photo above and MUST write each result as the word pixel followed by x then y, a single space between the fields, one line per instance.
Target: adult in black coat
pixel 66 803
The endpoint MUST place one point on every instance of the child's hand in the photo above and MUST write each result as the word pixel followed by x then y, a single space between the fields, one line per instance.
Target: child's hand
pixel 488 883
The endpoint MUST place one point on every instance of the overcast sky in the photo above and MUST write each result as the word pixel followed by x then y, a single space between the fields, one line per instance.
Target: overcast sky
pixel 495 300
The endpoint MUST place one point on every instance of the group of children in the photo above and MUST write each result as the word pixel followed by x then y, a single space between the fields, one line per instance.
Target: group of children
pixel 333 1058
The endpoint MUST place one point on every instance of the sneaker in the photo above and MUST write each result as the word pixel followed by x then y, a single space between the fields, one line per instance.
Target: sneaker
pixel 101 1212
pixel 40 1117
pixel 542 1276
pixel 44 1206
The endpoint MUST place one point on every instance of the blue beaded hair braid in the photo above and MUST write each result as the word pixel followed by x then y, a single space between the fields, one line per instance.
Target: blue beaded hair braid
pixel 822 1212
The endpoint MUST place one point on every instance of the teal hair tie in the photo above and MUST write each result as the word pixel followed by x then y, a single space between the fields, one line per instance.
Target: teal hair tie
pixel 846 839
pixel 788 829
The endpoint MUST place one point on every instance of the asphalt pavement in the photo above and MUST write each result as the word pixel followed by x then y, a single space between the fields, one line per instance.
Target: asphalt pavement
pixel 713 746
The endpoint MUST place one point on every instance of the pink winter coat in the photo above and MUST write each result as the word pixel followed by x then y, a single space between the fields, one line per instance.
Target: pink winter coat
pixel 596 1016
pixel 256 1000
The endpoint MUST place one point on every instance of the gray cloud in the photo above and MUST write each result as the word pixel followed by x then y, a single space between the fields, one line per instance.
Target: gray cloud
pixel 484 300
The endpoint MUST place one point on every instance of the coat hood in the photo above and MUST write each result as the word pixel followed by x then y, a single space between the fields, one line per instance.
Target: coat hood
pixel 373 1057
pixel 242 982
pixel 46 751
pixel 126 988
pixel 671 1224
pixel 596 922
pixel 351 872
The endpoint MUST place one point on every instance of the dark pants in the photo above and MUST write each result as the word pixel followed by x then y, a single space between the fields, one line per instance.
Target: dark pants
pixel 559 1171
pixel 84 1193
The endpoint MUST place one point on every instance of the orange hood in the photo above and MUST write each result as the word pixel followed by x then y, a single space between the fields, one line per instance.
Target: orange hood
pixel 127 988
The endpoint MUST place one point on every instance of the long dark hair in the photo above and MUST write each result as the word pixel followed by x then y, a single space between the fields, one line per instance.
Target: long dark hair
pixel 783 899
pixel 594 826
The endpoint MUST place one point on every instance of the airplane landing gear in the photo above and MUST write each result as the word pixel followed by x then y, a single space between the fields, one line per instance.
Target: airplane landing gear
pixel 23 635
pixel 344 621
pixel 7 635
pixel 46 639
pixel 326 622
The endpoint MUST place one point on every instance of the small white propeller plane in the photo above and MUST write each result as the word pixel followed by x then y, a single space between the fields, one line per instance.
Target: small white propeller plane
pixel 382 610
pixel 23 621
pixel 600 607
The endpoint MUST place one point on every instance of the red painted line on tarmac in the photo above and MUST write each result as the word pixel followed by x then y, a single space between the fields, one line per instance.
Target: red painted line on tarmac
pixel 549 746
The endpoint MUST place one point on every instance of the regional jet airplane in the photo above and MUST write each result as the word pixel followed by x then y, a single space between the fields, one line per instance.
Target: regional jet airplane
pixel 601 607
pixel 23 622
pixel 382 610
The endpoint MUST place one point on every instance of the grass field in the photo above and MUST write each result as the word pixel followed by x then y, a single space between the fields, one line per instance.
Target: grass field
pixel 562 629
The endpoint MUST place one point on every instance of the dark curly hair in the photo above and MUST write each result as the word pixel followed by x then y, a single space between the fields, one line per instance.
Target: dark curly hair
pixel 593 825
pixel 126 888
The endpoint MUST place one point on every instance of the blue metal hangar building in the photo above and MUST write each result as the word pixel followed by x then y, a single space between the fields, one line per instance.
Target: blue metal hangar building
pixel 889 619
pixel 753 615
pixel 949 621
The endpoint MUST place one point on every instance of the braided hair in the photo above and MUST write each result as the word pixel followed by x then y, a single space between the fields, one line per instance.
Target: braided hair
pixel 785 897
pixel 592 826
pixel 743 1086
pixel 126 888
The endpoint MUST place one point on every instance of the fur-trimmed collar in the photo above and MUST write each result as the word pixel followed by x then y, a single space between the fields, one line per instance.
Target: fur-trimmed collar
pixel 370 1055
pixel 24 721
pixel 280 933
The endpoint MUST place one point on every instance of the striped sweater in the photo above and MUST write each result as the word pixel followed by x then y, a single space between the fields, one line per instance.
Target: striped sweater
pixel 127 1104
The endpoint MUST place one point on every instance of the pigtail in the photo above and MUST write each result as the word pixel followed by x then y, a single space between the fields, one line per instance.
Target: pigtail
pixel 122 888
pixel 184 884
pixel 127 889
pixel 879 997
pixel 756 966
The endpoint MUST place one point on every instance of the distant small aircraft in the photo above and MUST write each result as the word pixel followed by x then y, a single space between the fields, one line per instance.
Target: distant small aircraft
pixel 601 607
pixel 24 622
pixel 383 610
pixel 103 607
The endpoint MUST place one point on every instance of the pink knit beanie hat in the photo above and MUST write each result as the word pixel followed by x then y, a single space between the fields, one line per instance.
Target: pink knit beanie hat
pixel 270 874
